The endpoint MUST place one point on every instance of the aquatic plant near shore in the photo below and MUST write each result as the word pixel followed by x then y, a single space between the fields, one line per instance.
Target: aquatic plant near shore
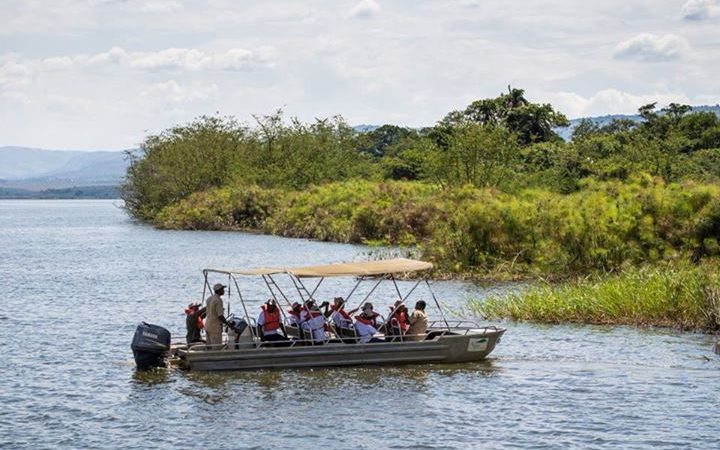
pixel 681 296
pixel 479 232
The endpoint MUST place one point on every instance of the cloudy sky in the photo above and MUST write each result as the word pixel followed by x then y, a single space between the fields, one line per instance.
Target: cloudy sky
pixel 102 74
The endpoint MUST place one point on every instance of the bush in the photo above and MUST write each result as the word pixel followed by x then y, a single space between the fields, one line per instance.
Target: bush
pixel 682 296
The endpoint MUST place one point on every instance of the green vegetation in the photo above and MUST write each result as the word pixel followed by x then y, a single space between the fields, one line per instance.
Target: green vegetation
pixel 483 232
pixel 682 296
pixel 489 191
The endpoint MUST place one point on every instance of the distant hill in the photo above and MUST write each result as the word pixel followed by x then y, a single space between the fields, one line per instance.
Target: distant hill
pixel 37 169
pixel 80 192
pixel 566 132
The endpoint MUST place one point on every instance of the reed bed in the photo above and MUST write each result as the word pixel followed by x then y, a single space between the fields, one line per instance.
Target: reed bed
pixel 682 296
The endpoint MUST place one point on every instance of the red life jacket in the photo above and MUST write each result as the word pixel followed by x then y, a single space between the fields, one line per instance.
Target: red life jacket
pixel 200 324
pixel 312 313
pixel 371 321
pixel 272 319
pixel 402 320
pixel 296 315
pixel 342 312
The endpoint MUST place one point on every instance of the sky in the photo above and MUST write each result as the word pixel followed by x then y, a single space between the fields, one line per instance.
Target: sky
pixel 105 74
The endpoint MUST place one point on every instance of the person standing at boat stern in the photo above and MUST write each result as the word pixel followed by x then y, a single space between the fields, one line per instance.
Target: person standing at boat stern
pixel 215 315
pixel 418 323
pixel 194 322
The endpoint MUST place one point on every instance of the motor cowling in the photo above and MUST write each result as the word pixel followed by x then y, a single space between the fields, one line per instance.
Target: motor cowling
pixel 150 346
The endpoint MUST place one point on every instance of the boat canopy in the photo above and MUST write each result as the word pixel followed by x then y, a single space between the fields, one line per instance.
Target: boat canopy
pixel 365 268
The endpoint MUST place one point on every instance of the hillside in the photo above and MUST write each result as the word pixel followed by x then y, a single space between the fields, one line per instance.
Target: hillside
pixel 37 169
pixel 566 132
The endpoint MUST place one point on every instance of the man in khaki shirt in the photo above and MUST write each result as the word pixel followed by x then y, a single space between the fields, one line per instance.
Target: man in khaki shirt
pixel 215 317
pixel 418 323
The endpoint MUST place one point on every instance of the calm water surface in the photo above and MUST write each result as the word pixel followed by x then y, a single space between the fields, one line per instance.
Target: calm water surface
pixel 77 277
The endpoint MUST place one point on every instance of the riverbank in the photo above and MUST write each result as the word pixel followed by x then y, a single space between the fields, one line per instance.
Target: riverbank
pixel 479 233
pixel 681 296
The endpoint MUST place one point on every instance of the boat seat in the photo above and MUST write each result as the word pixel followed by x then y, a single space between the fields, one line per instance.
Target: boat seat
pixel 292 330
pixel 347 335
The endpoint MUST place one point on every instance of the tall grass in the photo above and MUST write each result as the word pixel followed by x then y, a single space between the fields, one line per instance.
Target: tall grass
pixel 683 296
pixel 479 232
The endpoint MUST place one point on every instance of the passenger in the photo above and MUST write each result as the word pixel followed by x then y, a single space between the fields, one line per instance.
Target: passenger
pixel 215 318
pixel 294 314
pixel 313 322
pixel 366 324
pixel 338 315
pixel 270 326
pixel 418 323
pixel 397 321
pixel 194 323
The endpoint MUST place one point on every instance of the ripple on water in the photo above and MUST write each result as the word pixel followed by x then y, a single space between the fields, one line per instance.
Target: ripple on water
pixel 80 277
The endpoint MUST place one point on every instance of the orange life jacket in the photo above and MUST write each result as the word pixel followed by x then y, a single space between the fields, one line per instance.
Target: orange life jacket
pixel 272 319
pixel 200 324
pixel 368 321
pixel 402 320
pixel 342 312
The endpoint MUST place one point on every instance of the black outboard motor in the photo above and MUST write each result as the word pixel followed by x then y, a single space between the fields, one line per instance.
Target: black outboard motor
pixel 150 346
pixel 235 327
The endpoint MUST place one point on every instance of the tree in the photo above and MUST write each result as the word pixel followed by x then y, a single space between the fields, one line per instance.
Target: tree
pixel 377 141
pixel 530 122
pixel 482 155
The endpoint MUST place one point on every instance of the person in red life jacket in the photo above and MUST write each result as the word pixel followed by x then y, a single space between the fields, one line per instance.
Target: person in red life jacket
pixel 194 322
pixel 397 320
pixel 294 314
pixel 312 321
pixel 270 327
pixel 366 324
pixel 340 318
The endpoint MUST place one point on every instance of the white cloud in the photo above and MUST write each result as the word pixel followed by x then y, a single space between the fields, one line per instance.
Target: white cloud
pixel 701 9
pixel 174 92
pixel 652 47
pixel 609 101
pixel 365 9
pixel 98 73
pixel 172 59
pixel 161 7
pixel 14 75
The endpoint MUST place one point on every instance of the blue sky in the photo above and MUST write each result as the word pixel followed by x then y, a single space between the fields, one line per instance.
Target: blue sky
pixel 102 74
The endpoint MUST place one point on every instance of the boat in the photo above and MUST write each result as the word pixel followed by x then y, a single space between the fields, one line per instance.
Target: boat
pixel 444 342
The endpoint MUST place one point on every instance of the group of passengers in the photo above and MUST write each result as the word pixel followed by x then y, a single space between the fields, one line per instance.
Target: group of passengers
pixel 312 322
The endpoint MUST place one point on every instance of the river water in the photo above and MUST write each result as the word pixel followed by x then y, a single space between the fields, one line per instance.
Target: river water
pixel 77 277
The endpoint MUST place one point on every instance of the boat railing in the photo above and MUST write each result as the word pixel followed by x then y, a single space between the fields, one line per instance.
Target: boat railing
pixel 461 327
pixel 293 343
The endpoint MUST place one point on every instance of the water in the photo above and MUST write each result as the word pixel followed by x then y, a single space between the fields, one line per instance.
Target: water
pixel 77 276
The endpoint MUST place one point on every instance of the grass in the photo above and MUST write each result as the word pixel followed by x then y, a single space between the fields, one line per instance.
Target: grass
pixel 683 296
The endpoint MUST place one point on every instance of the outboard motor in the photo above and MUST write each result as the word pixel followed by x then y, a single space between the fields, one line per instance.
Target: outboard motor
pixel 150 346
pixel 236 330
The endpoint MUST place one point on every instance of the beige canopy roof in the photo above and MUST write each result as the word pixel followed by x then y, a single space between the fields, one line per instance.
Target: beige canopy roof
pixel 366 268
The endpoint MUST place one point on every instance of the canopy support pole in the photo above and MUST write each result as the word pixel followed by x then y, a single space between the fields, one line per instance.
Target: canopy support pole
pixel 404 299
pixel 282 312
pixel 437 304
pixel 397 289
pixel 312 294
pixel 279 290
pixel 360 280
pixel 369 294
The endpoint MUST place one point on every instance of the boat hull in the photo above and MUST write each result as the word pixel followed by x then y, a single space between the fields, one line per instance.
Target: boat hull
pixel 444 348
